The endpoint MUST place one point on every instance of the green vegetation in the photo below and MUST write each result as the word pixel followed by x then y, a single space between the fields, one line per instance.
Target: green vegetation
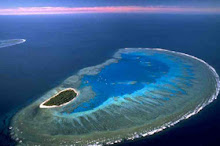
pixel 61 98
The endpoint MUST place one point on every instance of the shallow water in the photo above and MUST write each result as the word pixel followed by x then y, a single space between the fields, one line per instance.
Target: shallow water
pixel 125 77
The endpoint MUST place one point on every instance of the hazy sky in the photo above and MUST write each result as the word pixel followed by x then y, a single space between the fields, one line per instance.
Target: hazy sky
pixel 33 7
pixel 90 3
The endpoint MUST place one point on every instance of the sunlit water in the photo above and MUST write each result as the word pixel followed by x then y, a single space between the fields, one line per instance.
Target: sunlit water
pixel 136 93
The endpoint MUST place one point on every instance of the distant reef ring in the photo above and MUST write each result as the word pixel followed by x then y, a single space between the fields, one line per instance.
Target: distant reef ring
pixel 136 93
pixel 11 42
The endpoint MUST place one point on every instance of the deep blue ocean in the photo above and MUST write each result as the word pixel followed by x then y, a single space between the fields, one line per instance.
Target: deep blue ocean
pixel 58 46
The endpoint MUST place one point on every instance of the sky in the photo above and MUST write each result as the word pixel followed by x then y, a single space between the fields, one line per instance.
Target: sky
pixel 91 3
pixel 31 7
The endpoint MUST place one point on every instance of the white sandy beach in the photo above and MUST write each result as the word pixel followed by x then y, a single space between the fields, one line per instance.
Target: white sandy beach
pixel 53 106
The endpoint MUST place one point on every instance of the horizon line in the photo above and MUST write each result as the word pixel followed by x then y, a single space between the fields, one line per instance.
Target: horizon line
pixel 105 9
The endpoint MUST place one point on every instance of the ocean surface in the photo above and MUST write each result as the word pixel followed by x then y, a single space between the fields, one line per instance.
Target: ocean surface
pixel 57 46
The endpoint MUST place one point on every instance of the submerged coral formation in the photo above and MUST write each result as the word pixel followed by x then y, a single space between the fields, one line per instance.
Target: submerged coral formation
pixel 136 93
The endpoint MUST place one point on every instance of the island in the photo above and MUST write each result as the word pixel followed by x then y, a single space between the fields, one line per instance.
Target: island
pixel 60 99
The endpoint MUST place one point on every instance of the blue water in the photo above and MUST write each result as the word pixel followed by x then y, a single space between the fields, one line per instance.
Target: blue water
pixel 130 74
pixel 58 46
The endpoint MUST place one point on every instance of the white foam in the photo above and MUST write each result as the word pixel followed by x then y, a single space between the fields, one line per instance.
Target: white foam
pixel 7 43
pixel 187 115
pixel 197 109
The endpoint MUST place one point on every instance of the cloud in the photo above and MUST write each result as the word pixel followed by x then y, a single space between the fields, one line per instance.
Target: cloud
pixel 112 9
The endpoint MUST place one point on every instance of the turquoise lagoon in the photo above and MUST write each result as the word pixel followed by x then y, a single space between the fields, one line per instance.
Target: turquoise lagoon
pixel 139 92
